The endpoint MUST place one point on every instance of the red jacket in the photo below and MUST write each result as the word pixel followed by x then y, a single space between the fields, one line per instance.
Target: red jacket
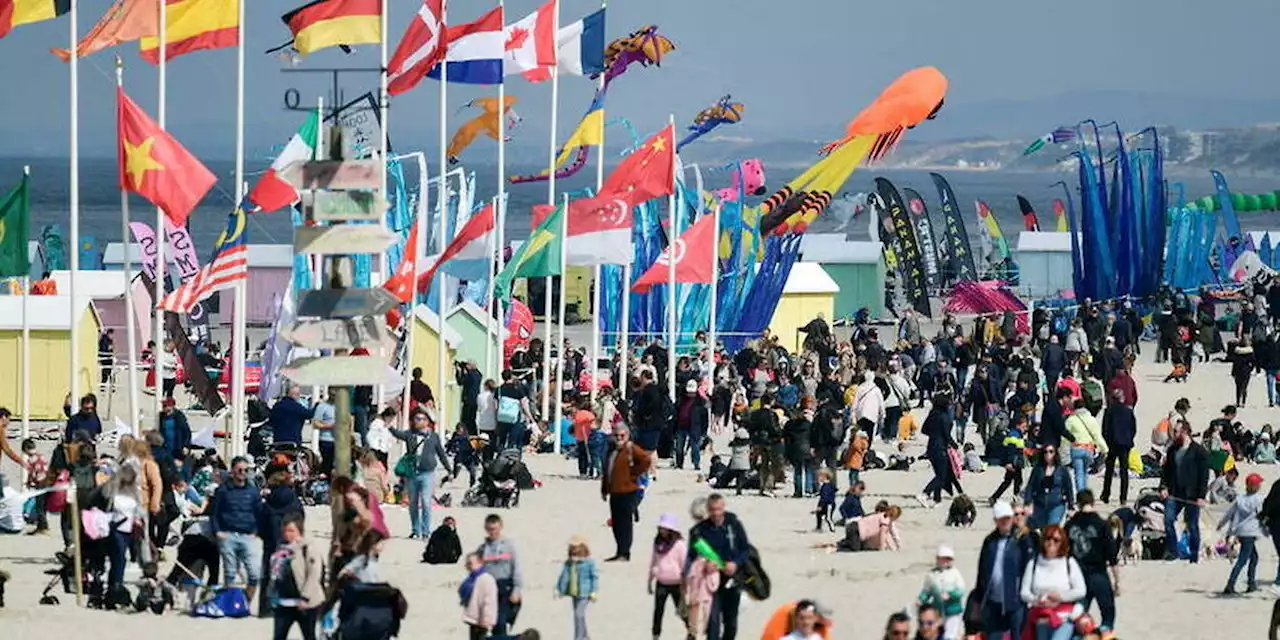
pixel 1125 383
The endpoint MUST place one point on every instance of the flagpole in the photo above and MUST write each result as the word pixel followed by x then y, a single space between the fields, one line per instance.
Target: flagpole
pixel 384 265
pixel 442 202
pixel 75 202
pixel 564 250
pixel 131 334
pixel 239 324
pixel 495 313
pixel 595 288
pixel 673 235
pixel 26 336
pixel 548 281
pixel 715 288
pixel 161 265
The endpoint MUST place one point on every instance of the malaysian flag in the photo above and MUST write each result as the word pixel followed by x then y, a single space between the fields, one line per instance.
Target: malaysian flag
pixel 230 264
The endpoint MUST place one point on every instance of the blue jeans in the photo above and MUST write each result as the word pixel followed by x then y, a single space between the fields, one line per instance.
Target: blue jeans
pixel 1081 460
pixel 1271 385
pixel 118 554
pixel 1248 555
pixel 421 488
pixel 691 439
pixel 1000 624
pixel 803 478
pixel 1191 519
pixel 1065 631
pixel 241 549
pixel 360 415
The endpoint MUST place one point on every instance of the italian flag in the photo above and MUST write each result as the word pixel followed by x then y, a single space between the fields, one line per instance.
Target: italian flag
pixel 271 192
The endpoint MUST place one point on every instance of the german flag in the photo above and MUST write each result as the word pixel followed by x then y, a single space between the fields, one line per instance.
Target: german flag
pixel 194 25
pixel 333 23
pixel 19 12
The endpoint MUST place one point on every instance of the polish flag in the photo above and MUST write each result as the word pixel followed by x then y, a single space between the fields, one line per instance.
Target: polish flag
pixel 693 251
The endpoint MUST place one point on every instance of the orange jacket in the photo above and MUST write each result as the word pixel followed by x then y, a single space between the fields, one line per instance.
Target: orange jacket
pixel 623 468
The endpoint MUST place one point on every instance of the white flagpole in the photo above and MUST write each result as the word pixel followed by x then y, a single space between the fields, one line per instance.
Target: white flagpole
pixel 673 236
pixel 500 210
pixel 161 231
pixel 384 265
pixel 551 200
pixel 489 323
pixel 442 207
pixel 715 289
pixel 75 204
pixel 239 324
pixel 595 288
pixel 559 390
pixel 26 341
pixel 131 333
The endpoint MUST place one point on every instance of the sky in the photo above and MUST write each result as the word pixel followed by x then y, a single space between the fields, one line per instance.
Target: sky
pixel 803 68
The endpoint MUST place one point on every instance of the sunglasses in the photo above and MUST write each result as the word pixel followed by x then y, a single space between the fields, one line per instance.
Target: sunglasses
pixel 899 633
pixel 240 470
pixel 1054 540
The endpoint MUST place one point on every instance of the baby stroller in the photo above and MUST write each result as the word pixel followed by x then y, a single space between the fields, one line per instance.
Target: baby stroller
pixel 94 579
pixel 1150 510
pixel 370 611
pixel 501 481
pixel 298 461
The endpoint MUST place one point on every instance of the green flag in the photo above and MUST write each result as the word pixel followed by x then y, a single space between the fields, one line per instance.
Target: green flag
pixel 538 257
pixel 15 218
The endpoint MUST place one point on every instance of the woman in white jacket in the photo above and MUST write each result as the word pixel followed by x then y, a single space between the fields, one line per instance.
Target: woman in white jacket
pixel 1052 584
pixel 868 405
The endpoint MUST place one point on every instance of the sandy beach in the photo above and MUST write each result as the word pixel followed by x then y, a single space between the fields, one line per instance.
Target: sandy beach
pixel 1158 600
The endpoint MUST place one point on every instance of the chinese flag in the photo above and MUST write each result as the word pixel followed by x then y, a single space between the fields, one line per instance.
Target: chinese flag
pixel 649 172
pixel 401 285
pixel 155 166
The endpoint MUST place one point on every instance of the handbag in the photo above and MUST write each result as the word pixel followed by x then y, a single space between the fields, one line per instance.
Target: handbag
pixel 407 464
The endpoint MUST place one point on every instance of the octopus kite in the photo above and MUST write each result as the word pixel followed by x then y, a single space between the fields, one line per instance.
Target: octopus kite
pixel 914 97
pixel 722 112
pixel 487 122
pixel 645 46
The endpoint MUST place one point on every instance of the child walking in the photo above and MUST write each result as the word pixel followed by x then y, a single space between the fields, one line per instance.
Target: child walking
pixel 37 474
pixel 944 590
pixel 826 501
pixel 578 581
pixel 700 586
pixel 1241 520
pixel 666 569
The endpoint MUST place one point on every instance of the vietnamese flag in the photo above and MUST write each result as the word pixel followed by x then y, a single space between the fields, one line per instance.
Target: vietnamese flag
pixel 693 254
pixel 648 173
pixel 155 166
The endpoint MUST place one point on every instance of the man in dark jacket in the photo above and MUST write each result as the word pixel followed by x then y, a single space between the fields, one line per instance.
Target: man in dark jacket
pixel 85 420
pixel 468 377
pixel 175 429
pixel 235 515
pixel 766 436
pixel 1119 427
pixel 288 415
pixel 1097 553
pixel 1053 423
pixel 1184 487
pixel 649 412
pixel 726 535
pixel 1000 564
pixel 691 425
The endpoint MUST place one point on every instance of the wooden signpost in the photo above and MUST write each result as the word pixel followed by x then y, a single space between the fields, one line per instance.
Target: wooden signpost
pixel 345 303
pixel 340 239
pixel 333 174
pixel 343 206
pixel 350 333
pixel 339 371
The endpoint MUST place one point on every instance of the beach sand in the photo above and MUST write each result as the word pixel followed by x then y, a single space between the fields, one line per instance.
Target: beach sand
pixel 1159 600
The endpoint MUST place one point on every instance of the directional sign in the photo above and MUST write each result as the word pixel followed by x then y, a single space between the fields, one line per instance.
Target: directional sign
pixel 333 174
pixel 343 206
pixel 342 239
pixel 345 303
pixel 367 331
pixel 339 371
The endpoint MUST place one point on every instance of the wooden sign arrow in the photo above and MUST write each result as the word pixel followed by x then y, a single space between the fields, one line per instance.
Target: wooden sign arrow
pixel 342 239
pixel 338 371
pixel 345 303
pixel 366 331
pixel 343 206
pixel 333 174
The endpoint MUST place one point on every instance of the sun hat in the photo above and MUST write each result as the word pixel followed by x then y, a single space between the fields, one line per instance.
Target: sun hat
pixel 669 521
pixel 1002 509
pixel 945 551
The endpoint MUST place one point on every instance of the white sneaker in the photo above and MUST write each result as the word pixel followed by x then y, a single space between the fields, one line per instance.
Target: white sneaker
pixel 923 501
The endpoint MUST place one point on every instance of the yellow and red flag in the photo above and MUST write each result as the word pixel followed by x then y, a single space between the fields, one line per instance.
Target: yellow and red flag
pixel 15 13
pixel 125 21
pixel 155 166
pixel 194 25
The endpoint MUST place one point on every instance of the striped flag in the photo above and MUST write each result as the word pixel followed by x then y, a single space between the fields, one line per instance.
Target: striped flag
pixel 230 264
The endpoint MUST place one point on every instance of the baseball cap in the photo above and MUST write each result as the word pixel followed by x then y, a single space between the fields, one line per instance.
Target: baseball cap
pixel 945 551
pixel 691 386
pixel 1254 480
pixel 1002 509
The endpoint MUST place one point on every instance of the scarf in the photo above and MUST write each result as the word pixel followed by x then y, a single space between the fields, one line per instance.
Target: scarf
pixel 469 585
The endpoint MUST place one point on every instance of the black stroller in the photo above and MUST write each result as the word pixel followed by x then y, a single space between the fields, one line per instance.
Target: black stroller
pixel 370 611
pixel 501 481
pixel 93 576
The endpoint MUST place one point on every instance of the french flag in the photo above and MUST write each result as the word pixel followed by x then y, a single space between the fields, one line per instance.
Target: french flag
pixel 474 243
pixel 475 51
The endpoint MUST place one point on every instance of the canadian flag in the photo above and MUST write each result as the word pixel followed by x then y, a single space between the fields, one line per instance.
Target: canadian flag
pixel 693 252
pixel 531 43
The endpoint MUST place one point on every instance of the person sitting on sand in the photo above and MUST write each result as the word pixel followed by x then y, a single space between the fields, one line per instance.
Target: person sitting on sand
pixel 875 532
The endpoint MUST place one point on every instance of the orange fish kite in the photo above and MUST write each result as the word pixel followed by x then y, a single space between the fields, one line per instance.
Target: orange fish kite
pixel 914 97
pixel 487 123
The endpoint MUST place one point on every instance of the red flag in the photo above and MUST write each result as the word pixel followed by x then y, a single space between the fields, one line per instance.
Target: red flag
pixel 693 251
pixel 649 172
pixel 471 243
pixel 155 166
pixel 401 284
pixel 421 47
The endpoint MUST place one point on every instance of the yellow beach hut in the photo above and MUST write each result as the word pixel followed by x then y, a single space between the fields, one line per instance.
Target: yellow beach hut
pixel 427 354
pixel 49 320
pixel 809 291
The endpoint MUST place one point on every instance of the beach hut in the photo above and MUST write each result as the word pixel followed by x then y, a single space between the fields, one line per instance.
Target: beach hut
pixel 857 267
pixel 427 354
pixel 1044 263
pixel 471 323
pixel 809 291
pixel 50 319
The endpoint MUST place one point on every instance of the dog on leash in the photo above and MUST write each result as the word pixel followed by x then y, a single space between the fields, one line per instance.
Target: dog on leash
pixel 1130 546
pixel 1227 549
pixel 962 512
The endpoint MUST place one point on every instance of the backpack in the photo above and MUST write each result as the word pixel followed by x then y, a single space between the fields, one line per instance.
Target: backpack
pixel 508 410
pixel 443 547
pixel 227 602
pixel 754 579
